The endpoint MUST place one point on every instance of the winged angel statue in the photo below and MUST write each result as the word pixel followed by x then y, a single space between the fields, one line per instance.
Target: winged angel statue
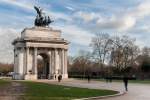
pixel 40 20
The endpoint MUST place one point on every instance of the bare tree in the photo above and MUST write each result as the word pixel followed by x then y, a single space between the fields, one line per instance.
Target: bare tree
pixel 84 58
pixel 146 51
pixel 144 61
pixel 6 67
pixel 40 65
pixel 124 52
pixel 70 63
pixel 101 44
pixel 70 60
pixel 81 63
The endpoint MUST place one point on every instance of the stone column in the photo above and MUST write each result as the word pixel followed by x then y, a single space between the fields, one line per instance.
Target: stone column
pixel 55 60
pixel 65 54
pixel 50 65
pixel 19 59
pixel 62 61
pixel 52 61
pixel 24 61
pixel 44 66
pixel 35 61
pixel 60 68
pixel 27 60
pixel 14 62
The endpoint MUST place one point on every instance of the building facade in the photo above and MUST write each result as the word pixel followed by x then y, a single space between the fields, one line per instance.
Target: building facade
pixel 45 42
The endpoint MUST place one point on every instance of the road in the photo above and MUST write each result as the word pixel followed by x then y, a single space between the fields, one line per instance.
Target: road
pixel 136 91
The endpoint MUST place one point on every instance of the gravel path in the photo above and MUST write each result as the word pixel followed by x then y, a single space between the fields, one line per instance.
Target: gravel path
pixel 12 91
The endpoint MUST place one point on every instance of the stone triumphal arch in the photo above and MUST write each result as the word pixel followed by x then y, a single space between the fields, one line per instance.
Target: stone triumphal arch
pixel 45 42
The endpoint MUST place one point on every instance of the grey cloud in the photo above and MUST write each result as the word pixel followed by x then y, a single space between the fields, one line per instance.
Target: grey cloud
pixel 7 35
pixel 86 16
pixel 124 20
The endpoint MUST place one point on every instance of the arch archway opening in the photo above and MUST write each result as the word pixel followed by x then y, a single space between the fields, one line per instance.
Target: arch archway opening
pixel 43 66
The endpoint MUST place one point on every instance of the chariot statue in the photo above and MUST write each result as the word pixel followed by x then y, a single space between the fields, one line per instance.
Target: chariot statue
pixel 40 20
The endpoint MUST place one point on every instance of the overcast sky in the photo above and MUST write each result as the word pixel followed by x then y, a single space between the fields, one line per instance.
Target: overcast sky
pixel 78 20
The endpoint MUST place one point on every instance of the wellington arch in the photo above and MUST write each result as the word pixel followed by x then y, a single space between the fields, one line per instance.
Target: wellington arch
pixel 47 43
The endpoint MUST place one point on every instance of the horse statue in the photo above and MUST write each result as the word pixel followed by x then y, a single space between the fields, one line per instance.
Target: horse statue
pixel 40 21
pixel 46 22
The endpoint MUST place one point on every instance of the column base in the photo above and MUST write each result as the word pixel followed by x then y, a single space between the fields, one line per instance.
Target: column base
pixel 64 76
pixel 30 77
pixel 18 76
pixel 52 76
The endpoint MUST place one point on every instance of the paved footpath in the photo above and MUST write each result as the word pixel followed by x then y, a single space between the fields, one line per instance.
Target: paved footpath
pixel 136 91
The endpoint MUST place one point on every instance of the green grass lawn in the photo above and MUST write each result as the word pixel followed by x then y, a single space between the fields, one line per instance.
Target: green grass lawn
pixel 44 91
pixel 3 83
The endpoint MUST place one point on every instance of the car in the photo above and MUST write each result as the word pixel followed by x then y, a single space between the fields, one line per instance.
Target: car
pixel 10 73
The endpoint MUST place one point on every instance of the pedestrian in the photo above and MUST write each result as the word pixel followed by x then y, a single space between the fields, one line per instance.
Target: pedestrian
pixel 107 77
pixel 110 78
pixel 55 77
pixel 89 78
pixel 59 78
pixel 125 79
